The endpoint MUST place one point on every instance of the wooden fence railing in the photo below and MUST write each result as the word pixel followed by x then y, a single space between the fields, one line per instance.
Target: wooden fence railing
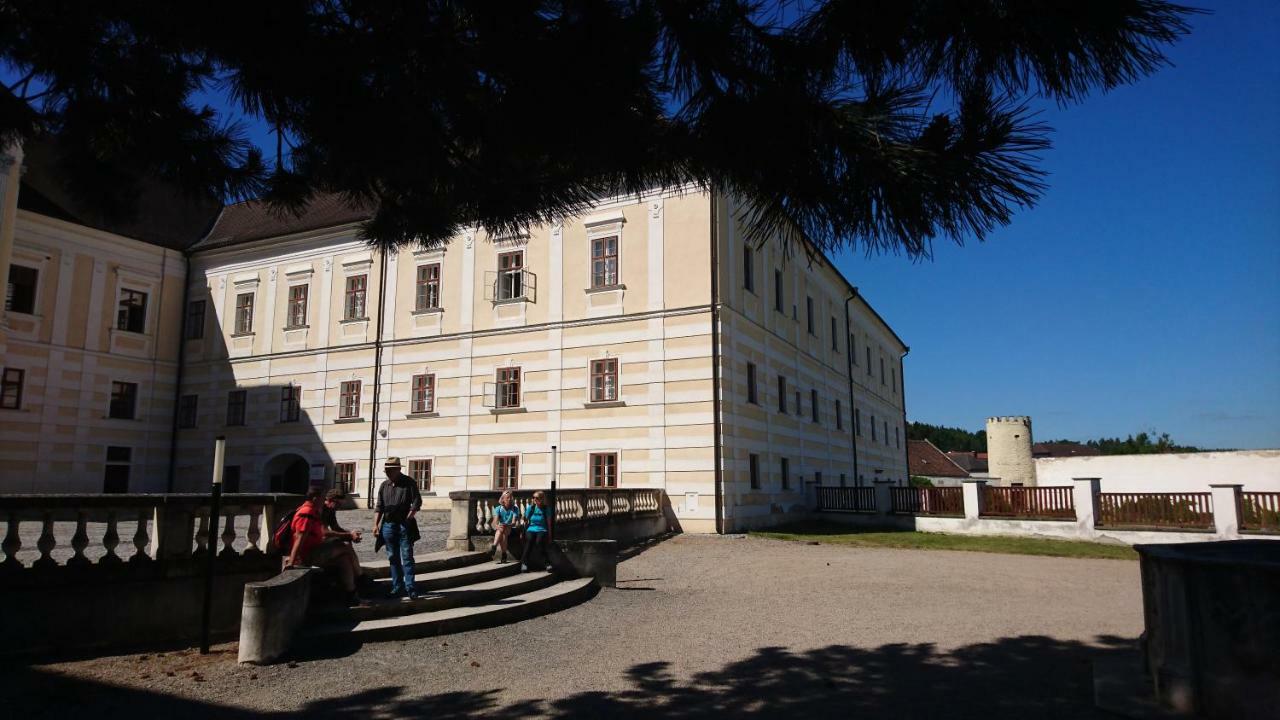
pixel 928 500
pixel 846 499
pixel 1044 502
pixel 1260 511
pixel 1185 511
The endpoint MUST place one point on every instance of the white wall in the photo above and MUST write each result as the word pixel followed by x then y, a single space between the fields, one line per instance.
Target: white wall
pixel 1257 470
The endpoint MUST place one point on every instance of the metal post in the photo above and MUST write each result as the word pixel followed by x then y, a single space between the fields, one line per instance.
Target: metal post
pixel 551 502
pixel 219 460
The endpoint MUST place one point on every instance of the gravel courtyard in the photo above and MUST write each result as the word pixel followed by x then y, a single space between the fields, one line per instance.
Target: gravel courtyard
pixel 699 626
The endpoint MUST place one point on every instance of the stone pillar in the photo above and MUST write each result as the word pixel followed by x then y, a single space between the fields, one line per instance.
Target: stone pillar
pixel 1226 509
pixel 174 530
pixel 460 522
pixel 884 502
pixel 1086 502
pixel 973 498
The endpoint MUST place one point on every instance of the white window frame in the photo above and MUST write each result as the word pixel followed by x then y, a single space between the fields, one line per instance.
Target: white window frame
pixel 617 456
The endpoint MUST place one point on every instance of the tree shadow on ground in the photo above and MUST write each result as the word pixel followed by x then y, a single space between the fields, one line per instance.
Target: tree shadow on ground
pixel 1020 677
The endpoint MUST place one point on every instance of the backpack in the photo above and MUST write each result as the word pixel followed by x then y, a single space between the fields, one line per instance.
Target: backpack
pixel 282 537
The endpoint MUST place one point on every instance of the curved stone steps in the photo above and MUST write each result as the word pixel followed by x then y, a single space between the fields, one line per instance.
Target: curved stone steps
pixel 427 563
pixel 561 595
pixel 454 577
pixel 443 599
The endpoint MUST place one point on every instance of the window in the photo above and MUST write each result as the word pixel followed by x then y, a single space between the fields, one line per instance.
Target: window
pixel 349 399
pixel 808 306
pixel 882 370
pixel 20 293
pixel 839 416
pixel 873 428
pixel 427 295
pixel 11 389
pixel 132 314
pixel 782 395
pixel 508 388
pixel 797 402
pixel 786 474
pixel 124 400
pixel 853 349
pixel 604 470
pixel 857 422
pixel 236 402
pixel 604 262
pixel 753 462
pixel 896 441
pixel 834 344
pixel 893 379
pixel 843 480
pixel 777 290
pixel 230 478
pixel 506 472
pixel 115 477
pixel 886 432
pixel 290 403
pixel 817 477
pixel 511 275
pixel 813 404
pixel 868 349
pixel 420 471
pixel 424 394
pixel 748 269
pixel 357 287
pixel 344 476
pixel 188 411
pixel 752 396
pixel 604 380
pixel 244 313
pixel 298 305
pixel 195 320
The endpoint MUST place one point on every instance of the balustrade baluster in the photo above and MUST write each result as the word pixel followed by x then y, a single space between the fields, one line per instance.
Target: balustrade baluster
pixel 110 540
pixel 254 533
pixel 202 535
pixel 12 544
pixel 46 544
pixel 79 541
pixel 140 538
pixel 228 534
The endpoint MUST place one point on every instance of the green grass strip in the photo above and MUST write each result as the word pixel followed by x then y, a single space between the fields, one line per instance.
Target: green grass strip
pixel 830 533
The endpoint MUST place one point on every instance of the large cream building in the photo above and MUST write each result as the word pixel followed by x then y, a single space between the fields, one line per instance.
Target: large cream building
pixel 608 336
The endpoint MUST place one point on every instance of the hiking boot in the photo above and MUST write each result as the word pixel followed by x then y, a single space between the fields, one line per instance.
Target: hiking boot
pixel 524 568
pixel 395 593
pixel 411 596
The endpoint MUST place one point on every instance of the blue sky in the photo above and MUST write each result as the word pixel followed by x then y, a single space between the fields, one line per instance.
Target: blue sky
pixel 1144 290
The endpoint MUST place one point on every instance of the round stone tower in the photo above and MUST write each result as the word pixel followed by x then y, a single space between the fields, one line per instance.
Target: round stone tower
pixel 1009 450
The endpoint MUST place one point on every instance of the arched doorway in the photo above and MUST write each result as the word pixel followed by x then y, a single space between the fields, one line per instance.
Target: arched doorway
pixel 288 473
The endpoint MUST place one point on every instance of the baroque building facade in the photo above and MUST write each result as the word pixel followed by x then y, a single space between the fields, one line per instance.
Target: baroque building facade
pixel 647 341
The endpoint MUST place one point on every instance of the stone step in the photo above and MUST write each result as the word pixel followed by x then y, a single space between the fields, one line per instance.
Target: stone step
pixel 527 605
pixel 454 577
pixel 444 599
pixel 428 563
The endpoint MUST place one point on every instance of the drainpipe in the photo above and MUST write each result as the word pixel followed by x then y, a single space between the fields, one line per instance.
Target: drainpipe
pixel 377 373
pixel 715 362
pixel 902 389
pixel 177 386
pixel 848 368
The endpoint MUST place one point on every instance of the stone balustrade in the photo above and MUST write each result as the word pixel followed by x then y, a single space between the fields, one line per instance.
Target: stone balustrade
pixel 580 514
pixel 62 536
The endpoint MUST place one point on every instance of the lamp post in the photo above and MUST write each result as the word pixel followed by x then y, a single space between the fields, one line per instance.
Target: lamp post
pixel 552 500
pixel 219 460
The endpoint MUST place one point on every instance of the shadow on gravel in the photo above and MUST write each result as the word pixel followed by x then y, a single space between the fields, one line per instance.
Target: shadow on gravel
pixel 639 547
pixel 1019 677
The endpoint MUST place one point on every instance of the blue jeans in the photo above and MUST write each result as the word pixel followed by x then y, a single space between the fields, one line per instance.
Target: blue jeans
pixel 399 556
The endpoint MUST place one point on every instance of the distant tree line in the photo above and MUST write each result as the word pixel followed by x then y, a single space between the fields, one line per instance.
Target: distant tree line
pixel 949 439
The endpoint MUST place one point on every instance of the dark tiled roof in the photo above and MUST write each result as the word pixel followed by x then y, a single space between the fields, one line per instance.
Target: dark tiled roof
pixel 924 458
pixel 255 220
pixel 1066 449
pixel 971 461
pixel 165 217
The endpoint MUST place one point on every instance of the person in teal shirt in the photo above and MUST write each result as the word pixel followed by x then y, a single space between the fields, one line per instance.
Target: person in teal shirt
pixel 504 519
pixel 538 517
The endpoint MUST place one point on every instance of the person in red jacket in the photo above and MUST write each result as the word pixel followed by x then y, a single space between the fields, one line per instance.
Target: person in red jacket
pixel 309 536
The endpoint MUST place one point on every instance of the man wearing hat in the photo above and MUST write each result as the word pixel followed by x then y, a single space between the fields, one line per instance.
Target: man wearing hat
pixel 393 524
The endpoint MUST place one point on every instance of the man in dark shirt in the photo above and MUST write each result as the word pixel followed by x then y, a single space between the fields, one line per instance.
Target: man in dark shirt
pixel 393 521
